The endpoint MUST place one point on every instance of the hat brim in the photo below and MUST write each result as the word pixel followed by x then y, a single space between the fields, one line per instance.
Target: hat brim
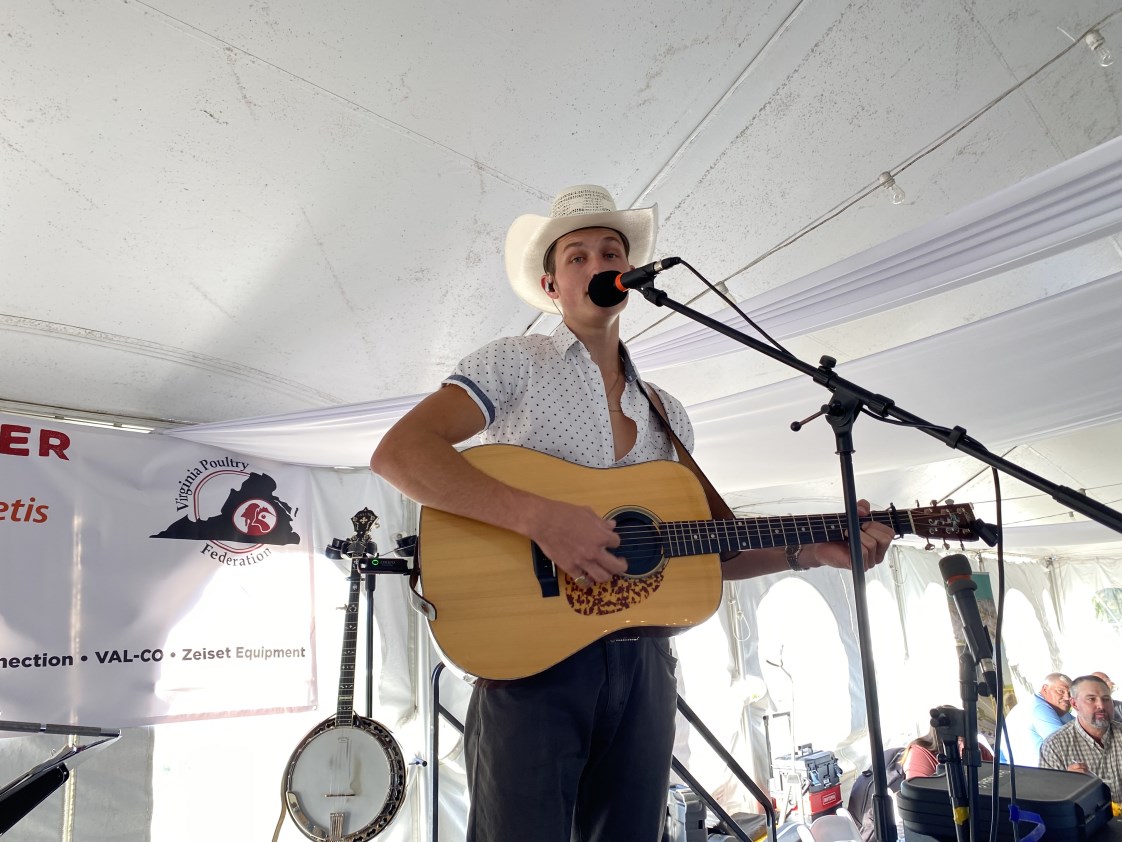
pixel 530 235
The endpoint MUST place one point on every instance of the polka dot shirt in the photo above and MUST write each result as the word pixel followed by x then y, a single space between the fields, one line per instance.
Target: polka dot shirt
pixel 546 393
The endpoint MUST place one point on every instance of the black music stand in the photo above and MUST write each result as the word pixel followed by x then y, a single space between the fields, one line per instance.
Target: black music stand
pixel 25 793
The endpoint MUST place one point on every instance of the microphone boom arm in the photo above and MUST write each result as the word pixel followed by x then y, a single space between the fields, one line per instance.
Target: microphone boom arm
pixel 885 408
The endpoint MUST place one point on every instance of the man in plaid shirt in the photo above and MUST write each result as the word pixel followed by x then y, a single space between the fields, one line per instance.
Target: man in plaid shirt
pixel 1092 744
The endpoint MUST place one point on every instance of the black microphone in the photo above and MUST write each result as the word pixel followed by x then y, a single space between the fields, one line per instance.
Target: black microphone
pixel 607 289
pixel 959 579
pixel 635 278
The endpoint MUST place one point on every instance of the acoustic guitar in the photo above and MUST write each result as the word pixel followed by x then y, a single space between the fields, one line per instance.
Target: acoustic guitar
pixel 500 609
pixel 346 780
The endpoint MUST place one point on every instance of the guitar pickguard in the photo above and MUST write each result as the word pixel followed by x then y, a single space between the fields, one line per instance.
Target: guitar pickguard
pixel 611 597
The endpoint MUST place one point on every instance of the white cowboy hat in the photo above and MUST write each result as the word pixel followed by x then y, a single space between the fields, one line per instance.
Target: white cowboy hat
pixel 583 206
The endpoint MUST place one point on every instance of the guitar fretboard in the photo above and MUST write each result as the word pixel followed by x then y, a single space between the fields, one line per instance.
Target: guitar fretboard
pixel 702 537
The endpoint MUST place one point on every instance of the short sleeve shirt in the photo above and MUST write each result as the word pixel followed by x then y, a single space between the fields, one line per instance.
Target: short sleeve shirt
pixel 1071 744
pixel 546 393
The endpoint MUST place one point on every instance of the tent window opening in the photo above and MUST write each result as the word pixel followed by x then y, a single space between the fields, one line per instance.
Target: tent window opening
pixel 804 663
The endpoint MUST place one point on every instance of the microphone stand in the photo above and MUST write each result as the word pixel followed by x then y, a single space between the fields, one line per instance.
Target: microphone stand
pixel 968 691
pixel 951 724
pixel 848 400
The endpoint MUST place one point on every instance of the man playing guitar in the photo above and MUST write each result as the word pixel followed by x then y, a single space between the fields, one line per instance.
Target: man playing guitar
pixel 582 749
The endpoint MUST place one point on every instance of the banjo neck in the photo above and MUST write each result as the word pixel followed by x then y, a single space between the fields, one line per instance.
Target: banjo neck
pixel 344 713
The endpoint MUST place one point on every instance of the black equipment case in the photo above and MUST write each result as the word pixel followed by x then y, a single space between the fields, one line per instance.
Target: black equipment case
pixel 1072 805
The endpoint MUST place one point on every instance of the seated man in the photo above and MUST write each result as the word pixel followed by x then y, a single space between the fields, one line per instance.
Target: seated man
pixel 1030 722
pixel 1091 744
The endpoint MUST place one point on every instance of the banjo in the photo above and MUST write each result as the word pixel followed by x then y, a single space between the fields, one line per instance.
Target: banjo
pixel 346 779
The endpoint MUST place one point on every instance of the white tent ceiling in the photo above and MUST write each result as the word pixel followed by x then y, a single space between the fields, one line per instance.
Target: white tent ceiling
pixel 219 210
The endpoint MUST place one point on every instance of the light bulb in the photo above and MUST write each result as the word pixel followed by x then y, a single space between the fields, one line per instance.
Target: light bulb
pixel 894 189
pixel 1094 39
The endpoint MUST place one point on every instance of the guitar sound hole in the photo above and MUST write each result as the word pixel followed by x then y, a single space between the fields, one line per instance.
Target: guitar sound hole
pixel 640 544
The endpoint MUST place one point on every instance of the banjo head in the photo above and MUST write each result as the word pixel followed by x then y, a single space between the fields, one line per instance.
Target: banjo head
pixel 345 783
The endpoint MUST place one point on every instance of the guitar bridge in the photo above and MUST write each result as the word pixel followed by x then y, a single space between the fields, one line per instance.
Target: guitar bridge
pixel 545 572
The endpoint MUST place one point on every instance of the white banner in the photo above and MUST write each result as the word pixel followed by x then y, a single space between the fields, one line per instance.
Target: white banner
pixel 145 579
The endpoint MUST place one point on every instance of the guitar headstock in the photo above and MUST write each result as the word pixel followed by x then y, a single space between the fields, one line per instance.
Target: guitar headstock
pixel 952 522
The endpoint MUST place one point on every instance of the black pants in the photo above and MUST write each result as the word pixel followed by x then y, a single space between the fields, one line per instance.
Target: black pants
pixel 578 753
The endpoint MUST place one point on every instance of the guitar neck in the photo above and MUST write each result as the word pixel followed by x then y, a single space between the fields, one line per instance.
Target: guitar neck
pixel 344 714
pixel 702 537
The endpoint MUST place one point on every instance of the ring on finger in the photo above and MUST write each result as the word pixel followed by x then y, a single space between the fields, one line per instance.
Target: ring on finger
pixel 582 579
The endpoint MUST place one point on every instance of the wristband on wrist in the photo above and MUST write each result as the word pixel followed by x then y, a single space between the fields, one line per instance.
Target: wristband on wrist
pixel 791 551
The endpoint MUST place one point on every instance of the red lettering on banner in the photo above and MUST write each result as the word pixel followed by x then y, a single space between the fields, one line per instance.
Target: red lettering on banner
pixel 14 440
pixel 12 435
pixel 53 441
pixel 22 512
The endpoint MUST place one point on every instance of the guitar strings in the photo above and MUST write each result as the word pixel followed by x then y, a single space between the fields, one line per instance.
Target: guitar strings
pixel 759 533
pixel 755 526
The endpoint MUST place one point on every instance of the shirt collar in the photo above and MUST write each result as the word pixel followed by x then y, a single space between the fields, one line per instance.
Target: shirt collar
pixel 564 339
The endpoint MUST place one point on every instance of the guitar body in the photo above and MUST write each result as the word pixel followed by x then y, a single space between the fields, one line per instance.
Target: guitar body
pixel 492 619
pixel 345 782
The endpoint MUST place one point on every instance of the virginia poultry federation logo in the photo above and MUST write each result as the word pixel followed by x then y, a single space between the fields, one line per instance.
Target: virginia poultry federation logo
pixel 234 512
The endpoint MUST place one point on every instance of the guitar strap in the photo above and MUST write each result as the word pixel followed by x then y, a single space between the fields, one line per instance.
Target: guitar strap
pixel 717 506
